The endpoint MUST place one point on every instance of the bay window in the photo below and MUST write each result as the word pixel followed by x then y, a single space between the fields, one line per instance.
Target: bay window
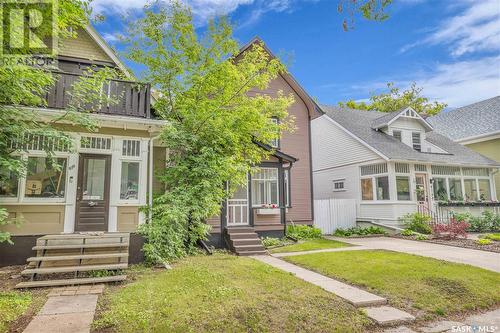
pixel 382 188
pixel 440 191
pixel 484 190
pixel 46 177
pixel 367 189
pixel 470 189
pixel 455 189
pixel 265 190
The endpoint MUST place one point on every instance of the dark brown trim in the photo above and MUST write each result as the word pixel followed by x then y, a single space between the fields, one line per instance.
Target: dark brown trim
pixel 87 61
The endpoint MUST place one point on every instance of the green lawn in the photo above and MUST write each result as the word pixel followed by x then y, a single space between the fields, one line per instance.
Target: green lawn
pixel 224 293
pixel 421 285
pixel 311 244
pixel 12 306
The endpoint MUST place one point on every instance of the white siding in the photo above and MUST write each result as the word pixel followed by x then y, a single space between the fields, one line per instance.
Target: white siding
pixel 332 146
pixel 323 183
pixel 386 213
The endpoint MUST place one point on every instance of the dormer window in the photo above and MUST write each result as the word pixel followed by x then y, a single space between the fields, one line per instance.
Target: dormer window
pixel 416 141
pixel 397 135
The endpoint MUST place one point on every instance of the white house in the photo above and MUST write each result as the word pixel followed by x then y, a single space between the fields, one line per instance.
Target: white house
pixel 394 163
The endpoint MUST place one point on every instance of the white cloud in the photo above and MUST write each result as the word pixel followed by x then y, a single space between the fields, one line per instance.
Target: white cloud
pixel 457 83
pixel 476 28
pixel 111 37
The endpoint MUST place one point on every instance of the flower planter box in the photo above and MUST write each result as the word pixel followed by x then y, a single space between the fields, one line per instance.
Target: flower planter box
pixel 469 204
pixel 268 211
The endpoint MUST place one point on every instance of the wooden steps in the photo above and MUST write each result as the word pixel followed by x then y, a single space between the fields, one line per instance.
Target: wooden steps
pixel 68 259
pixel 244 241
pixel 70 282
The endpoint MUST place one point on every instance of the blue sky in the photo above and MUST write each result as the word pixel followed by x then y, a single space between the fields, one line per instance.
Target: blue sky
pixel 450 48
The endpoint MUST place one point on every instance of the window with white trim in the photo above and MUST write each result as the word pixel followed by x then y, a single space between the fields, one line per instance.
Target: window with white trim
pixel 265 189
pixel 46 177
pixel 374 182
pixel 130 170
pixel 9 184
pixel 339 185
pixel 276 142
pixel 416 141
pixel 397 135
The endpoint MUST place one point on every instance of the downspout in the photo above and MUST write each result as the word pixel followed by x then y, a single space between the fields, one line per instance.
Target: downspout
pixel 150 180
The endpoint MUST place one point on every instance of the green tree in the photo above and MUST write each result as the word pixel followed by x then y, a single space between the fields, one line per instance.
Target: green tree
pixel 395 100
pixel 207 94
pixel 371 10
pixel 23 85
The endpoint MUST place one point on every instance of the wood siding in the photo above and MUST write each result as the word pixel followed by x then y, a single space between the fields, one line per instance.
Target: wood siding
pixel 83 47
pixel 491 149
pixel 128 218
pixel 35 219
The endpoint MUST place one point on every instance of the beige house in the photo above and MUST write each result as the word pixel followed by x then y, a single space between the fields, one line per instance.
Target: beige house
pixel 476 126
pixel 101 184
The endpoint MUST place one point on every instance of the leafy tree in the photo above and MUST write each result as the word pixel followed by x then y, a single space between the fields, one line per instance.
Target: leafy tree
pixel 208 94
pixel 25 85
pixel 395 100
pixel 372 10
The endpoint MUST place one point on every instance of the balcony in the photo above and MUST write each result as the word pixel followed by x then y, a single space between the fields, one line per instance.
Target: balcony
pixel 134 99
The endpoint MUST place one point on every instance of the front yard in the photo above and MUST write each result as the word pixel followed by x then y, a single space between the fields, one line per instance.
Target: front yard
pixel 421 285
pixel 310 244
pixel 224 293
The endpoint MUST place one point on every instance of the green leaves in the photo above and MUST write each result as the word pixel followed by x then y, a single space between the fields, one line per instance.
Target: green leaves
pixel 210 94
pixel 395 100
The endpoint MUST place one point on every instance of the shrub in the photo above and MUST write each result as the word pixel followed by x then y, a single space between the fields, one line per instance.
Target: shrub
pixel 493 237
pixel 421 237
pixel 271 241
pixel 372 230
pixel 488 221
pixel 466 217
pixel 451 230
pixel 492 220
pixel 302 231
pixel 484 241
pixel 407 232
pixel 418 222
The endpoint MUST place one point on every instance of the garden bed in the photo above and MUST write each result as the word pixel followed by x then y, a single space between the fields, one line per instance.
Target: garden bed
pixel 459 242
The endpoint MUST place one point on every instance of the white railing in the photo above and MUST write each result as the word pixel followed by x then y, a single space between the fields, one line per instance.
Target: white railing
pixel 237 211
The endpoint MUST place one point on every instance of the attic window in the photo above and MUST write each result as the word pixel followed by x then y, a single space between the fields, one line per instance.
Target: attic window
pixel 397 135
pixel 417 141
pixel 410 114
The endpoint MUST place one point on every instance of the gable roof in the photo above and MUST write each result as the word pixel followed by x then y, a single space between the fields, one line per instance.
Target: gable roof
pixel 468 122
pixel 359 124
pixel 389 118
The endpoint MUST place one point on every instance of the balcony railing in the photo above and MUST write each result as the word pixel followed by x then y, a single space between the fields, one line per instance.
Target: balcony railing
pixel 133 99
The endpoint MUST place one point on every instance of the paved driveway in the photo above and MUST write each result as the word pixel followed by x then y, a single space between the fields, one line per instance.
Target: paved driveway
pixel 483 259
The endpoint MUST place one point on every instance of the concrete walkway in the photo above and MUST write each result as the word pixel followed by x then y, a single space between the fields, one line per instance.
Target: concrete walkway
pixel 478 258
pixel 67 310
pixel 374 305
pixel 340 249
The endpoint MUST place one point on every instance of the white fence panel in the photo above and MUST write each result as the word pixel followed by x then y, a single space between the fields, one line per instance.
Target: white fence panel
pixel 331 214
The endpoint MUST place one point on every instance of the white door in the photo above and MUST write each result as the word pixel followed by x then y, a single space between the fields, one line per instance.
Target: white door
pixel 237 208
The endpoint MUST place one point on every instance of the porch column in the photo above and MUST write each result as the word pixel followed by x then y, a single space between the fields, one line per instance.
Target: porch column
pixel 281 196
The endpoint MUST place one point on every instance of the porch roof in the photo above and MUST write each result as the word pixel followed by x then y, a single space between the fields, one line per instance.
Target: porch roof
pixel 359 123
pixel 277 153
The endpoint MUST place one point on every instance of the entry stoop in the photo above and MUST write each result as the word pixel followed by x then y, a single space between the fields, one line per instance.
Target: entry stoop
pixel 244 241
pixel 73 259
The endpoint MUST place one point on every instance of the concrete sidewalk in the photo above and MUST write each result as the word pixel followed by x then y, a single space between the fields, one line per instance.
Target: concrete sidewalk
pixel 478 258
pixel 67 310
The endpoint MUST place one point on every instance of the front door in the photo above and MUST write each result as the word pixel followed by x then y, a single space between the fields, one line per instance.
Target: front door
pixel 237 208
pixel 92 195
pixel 422 192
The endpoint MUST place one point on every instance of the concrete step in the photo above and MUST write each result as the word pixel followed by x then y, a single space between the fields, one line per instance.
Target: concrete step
pixel 78 246
pixel 66 269
pixel 70 282
pixel 80 256
pixel 251 253
pixel 238 230
pixel 246 241
pixel 387 315
pixel 241 248
pixel 244 235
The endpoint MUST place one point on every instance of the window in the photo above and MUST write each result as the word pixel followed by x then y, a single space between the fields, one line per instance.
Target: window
pixel 455 189
pixel 46 178
pixel 276 142
pixel 286 175
pixel 97 143
pixel 367 189
pixel 440 192
pixel 131 148
pixel 416 140
pixel 338 185
pixel 265 187
pixel 8 184
pixel 397 135
pixel 382 188
pixel 403 187
pixel 484 190
pixel 129 181
pixel 470 189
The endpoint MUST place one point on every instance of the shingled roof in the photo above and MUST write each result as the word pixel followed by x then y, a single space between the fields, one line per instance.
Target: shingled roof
pixel 471 121
pixel 359 123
